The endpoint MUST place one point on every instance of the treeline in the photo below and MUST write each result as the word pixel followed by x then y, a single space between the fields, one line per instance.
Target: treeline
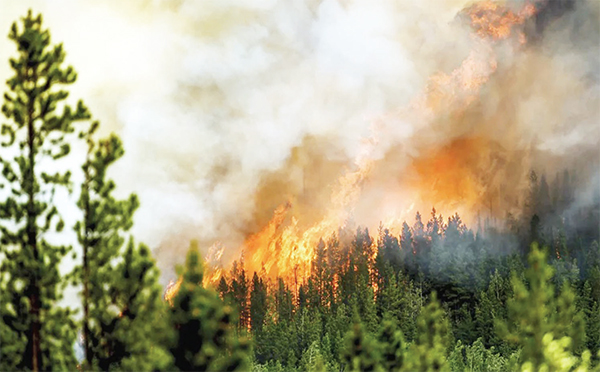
pixel 437 297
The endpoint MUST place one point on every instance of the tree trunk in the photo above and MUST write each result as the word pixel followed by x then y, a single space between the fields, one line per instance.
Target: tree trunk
pixel 86 273
pixel 31 228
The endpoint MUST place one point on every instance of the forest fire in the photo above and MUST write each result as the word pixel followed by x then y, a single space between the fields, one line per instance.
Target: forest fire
pixel 449 178
pixel 359 185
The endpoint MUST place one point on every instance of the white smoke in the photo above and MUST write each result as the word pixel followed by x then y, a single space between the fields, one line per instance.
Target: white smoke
pixel 212 96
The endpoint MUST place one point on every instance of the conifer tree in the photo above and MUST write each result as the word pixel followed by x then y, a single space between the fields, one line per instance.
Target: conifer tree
pixel 240 294
pixel 360 350
pixel 591 311
pixel 223 289
pixel 429 350
pixel 569 321
pixel 530 309
pixel 108 335
pixel 407 250
pixel 391 344
pixel 205 336
pixel 319 273
pixel 129 327
pixel 258 304
pixel 492 308
pixel 39 122
pixel 534 314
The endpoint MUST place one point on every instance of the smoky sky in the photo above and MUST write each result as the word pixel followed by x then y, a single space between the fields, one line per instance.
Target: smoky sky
pixel 228 109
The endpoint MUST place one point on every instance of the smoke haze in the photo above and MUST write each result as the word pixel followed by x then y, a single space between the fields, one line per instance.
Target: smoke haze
pixel 228 109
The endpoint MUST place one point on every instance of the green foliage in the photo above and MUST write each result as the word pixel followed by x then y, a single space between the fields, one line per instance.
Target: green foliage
pixel 534 316
pixel 128 324
pixel 476 358
pixel 258 304
pixel 36 132
pixel 391 344
pixel 492 308
pixel 557 357
pixel 429 350
pixel 529 310
pixel 204 338
pixel 313 361
pixel 570 321
pixel 360 350
pixel 115 339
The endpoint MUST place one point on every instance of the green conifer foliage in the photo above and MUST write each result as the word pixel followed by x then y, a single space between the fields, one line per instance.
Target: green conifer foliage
pixel 530 309
pixel 391 345
pixel 258 304
pixel 429 350
pixel 128 325
pixel 38 122
pixel 535 317
pixel 360 350
pixel 104 218
pixel 205 330
pixel 569 320
pixel 492 308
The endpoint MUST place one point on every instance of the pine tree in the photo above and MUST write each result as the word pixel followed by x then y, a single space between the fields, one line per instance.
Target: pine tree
pixel 258 304
pixel 593 329
pixel 223 289
pixel 530 309
pixel 429 350
pixel 319 273
pixel 129 327
pixel 391 344
pixel 240 293
pixel 591 311
pixel 534 314
pixel 107 341
pixel 492 308
pixel 36 132
pixel 570 321
pixel 360 350
pixel 284 302
pixel 407 250
pixel 205 330
pixel 388 251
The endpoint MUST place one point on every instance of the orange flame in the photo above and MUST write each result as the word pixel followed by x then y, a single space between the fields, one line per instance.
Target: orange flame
pixel 172 290
pixel 284 250
pixel 490 19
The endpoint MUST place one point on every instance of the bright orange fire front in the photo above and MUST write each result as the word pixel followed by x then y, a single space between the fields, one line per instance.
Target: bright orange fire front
pixel 455 177
pixel 451 178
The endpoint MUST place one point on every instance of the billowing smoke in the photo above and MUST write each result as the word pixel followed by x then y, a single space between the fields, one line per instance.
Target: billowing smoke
pixel 231 108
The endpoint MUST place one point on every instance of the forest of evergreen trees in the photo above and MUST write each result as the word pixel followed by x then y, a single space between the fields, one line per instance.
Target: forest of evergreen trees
pixel 438 297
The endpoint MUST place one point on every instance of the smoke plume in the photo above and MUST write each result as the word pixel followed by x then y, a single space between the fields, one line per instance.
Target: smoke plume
pixel 229 109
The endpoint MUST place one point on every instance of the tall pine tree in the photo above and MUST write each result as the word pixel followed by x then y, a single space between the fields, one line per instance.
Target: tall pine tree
pixel 121 313
pixel 39 120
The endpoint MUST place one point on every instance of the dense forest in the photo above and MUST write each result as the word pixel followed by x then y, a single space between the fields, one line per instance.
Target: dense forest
pixel 518 294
